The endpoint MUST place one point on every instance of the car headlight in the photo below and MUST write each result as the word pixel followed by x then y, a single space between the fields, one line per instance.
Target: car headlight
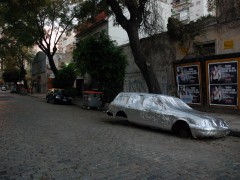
pixel 58 97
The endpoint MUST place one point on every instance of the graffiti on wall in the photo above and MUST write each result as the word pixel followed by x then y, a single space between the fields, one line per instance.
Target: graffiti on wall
pixel 134 85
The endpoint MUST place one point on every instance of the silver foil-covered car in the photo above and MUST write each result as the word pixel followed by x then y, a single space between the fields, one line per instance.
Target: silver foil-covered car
pixel 167 113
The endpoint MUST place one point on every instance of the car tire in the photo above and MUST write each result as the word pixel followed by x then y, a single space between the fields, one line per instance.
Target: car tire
pixel 54 101
pixel 47 100
pixel 184 131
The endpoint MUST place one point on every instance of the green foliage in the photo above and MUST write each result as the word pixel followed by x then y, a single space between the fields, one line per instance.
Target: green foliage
pixel 12 75
pixel 39 22
pixel 174 27
pixel 71 91
pixel 15 55
pixel 66 77
pixel 184 33
pixel 104 62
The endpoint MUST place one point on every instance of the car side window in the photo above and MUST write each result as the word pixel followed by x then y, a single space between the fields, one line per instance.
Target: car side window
pixel 135 99
pixel 152 102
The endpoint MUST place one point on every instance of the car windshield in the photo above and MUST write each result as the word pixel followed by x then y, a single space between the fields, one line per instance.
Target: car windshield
pixel 59 91
pixel 174 103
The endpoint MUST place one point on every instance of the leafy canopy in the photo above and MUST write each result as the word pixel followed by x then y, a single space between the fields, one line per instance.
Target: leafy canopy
pixel 13 75
pixel 40 22
pixel 66 76
pixel 103 61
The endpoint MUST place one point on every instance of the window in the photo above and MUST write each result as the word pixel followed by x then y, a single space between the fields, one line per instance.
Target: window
pixel 135 99
pixel 152 102
pixel 205 49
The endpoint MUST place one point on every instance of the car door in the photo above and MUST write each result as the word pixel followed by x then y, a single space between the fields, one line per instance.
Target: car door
pixel 134 107
pixel 153 113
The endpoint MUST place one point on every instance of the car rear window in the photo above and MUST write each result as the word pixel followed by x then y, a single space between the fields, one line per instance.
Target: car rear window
pixel 122 98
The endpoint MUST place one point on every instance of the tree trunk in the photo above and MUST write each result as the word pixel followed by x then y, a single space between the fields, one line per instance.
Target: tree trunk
pixel 131 26
pixel 141 60
pixel 23 73
pixel 52 65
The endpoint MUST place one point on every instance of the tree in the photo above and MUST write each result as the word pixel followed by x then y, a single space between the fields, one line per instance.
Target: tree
pixel 226 10
pixel 66 76
pixel 140 16
pixel 40 22
pixel 137 10
pixel 14 54
pixel 104 62
pixel 12 75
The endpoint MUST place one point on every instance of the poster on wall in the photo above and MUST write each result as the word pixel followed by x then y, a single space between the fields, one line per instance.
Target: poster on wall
pixel 187 75
pixel 188 83
pixel 223 94
pixel 189 93
pixel 223 73
pixel 223 83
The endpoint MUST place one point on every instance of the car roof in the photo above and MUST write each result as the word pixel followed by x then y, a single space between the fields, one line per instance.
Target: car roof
pixel 146 94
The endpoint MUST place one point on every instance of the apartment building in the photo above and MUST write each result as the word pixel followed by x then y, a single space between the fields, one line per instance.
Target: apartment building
pixel 189 10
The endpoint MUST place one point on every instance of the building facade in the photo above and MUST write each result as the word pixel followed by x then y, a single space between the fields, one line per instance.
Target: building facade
pixel 205 77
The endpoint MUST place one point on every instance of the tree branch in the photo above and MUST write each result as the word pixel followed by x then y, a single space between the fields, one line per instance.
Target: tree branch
pixel 121 19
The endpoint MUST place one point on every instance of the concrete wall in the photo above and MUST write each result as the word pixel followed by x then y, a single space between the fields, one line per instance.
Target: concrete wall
pixel 226 37
pixel 162 51
pixel 161 54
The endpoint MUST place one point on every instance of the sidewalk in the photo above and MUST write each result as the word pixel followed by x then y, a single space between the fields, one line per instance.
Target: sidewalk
pixel 233 120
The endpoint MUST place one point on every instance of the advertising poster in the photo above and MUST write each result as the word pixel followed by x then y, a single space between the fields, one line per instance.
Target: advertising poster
pixel 223 94
pixel 223 73
pixel 187 75
pixel 189 93
pixel 223 83
pixel 188 84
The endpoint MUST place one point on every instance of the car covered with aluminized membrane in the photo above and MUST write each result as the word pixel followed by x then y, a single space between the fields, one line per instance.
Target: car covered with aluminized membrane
pixel 167 113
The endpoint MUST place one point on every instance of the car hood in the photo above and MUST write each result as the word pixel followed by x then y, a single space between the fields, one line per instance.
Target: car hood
pixel 202 119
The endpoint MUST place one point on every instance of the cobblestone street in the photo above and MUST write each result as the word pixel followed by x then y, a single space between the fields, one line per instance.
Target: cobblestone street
pixel 46 141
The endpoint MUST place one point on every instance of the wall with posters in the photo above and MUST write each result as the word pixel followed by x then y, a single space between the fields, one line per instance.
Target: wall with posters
pixel 210 83
pixel 188 83
pixel 223 82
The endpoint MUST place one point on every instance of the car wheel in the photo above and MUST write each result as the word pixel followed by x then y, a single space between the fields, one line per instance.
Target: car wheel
pixel 181 128
pixel 54 101
pixel 184 131
pixel 47 100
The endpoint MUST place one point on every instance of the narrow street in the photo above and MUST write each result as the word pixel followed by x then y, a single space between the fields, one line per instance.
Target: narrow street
pixel 46 141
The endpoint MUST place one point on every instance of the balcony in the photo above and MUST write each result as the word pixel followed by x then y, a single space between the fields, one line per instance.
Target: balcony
pixel 99 19
pixel 178 3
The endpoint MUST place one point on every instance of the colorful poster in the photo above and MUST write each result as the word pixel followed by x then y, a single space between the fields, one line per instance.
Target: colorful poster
pixel 223 94
pixel 223 73
pixel 189 93
pixel 187 75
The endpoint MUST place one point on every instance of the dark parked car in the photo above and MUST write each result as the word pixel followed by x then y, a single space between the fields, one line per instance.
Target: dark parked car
pixel 3 88
pixel 58 96
pixel 167 113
